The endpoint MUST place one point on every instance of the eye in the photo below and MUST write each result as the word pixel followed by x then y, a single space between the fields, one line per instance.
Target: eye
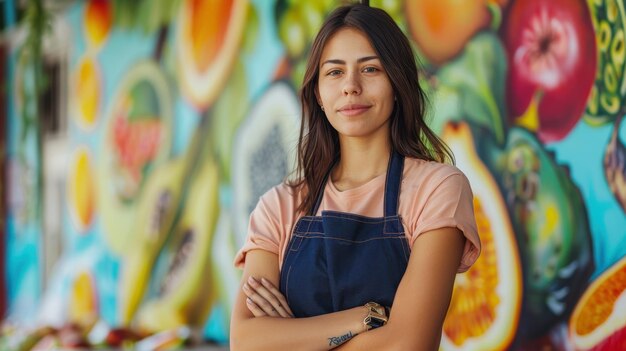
pixel 333 72
pixel 370 69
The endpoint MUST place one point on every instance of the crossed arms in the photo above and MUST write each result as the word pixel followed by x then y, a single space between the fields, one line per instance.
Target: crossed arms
pixel 262 320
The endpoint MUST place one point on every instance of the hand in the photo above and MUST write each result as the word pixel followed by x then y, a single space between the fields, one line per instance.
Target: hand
pixel 263 299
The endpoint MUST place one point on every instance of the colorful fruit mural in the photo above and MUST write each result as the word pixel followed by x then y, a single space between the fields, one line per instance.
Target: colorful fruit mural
pixel 181 115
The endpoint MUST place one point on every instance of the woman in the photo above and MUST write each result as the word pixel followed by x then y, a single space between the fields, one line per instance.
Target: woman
pixel 322 268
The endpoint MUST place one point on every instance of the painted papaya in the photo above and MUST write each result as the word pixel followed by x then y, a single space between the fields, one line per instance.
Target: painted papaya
pixel 209 35
pixel 157 210
pixel 486 301
pixel 263 151
pixel 184 293
pixel 166 230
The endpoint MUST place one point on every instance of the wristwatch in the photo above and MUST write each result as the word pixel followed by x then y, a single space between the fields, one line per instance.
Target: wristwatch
pixel 376 316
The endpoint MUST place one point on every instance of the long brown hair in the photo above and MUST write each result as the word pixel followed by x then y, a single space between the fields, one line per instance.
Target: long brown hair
pixel 318 144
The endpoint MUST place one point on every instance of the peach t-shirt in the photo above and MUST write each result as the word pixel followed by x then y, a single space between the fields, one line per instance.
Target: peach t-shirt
pixel 432 196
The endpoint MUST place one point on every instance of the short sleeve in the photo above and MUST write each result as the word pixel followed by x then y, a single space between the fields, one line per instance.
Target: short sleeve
pixel 450 204
pixel 263 229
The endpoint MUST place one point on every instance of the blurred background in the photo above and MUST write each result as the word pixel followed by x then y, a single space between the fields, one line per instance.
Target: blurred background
pixel 130 165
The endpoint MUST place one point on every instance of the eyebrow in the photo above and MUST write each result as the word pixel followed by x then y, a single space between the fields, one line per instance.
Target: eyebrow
pixel 342 62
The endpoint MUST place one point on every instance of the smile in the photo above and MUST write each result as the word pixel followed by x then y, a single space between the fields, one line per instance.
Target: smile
pixel 353 110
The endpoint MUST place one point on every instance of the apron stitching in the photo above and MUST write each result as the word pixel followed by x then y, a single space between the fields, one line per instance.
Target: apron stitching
pixel 325 235
pixel 356 241
pixel 372 221
pixel 287 283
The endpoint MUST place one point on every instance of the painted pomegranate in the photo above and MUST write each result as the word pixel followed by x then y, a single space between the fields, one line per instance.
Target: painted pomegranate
pixel 552 60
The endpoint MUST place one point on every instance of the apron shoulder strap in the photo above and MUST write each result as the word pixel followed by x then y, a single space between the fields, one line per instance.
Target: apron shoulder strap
pixel 392 184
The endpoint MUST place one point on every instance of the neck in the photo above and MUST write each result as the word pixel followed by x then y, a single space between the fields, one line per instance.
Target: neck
pixel 360 162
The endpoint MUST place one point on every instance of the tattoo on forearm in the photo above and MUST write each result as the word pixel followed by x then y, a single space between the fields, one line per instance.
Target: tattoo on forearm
pixel 338 340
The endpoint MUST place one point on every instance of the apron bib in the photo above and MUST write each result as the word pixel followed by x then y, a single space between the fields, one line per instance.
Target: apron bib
pixel 341 260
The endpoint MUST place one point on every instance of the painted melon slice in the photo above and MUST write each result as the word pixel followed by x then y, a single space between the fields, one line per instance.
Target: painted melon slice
pixel 599 318
pixel 209 35
pixel 264 151
pixel 137 138
pixel 486 302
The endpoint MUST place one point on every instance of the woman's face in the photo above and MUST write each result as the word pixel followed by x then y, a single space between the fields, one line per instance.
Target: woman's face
pixel 353 87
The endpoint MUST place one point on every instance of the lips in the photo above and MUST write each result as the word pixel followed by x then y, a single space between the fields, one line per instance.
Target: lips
pixel 353 109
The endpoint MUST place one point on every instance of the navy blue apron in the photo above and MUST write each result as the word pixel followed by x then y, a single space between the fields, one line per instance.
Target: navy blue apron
pixel 341 260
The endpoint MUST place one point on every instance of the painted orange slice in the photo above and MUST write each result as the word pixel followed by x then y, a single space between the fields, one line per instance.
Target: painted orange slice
pixel 599 318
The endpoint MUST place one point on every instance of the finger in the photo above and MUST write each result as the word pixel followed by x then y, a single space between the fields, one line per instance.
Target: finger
pixel 273 296
pixel 269 297
pixel 259 300
pixel 254 308
pixel 281 298
pixel 263 298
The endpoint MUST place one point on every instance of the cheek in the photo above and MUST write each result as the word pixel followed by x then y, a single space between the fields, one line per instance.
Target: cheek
pixel 325 89
pixel 326 100
pixel 383 90
pixel 386 97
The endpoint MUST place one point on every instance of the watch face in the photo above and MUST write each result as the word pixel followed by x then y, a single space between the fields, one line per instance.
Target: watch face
pixel 374 321
pixel 376 316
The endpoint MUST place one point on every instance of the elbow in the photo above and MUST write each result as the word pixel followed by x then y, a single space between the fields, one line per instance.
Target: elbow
pixel 237 340
pixel 409 343
pixel 234 342
pixel 238 343
pixel 241 343
pixel 242 338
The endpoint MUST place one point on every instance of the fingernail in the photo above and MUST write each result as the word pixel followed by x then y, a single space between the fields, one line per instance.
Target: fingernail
pixel 248 300
pixel 251 280
pixel 245 286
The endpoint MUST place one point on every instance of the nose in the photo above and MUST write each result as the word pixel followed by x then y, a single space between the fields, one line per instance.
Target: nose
pixel 352 85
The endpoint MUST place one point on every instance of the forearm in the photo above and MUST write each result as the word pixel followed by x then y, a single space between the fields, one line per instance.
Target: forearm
pixel 392 337
pixel 323 332
pixel 417 315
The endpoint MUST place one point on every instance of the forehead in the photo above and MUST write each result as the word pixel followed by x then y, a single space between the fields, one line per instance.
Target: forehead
pixel 347 43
